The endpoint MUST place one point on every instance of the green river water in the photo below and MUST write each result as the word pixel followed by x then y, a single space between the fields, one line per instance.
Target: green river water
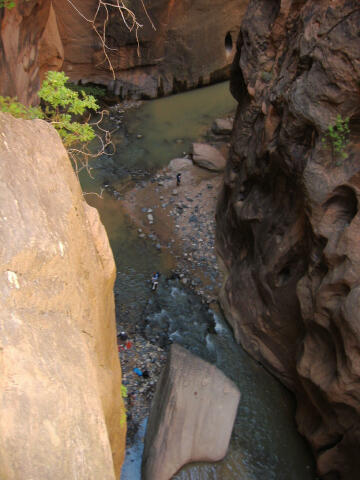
pixel 265 444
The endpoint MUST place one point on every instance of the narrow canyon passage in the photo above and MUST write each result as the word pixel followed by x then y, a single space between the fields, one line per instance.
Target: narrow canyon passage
pixel 265 443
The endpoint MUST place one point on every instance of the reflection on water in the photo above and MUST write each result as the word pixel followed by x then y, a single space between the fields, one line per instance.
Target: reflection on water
pixel 167 127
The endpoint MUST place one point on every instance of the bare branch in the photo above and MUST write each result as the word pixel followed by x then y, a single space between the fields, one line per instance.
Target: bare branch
pixel 130 23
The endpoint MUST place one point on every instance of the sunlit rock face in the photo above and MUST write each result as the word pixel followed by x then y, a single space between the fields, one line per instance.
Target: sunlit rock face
pixel 21 30
pixel 61 409
pixel 288 221
pixel 181 44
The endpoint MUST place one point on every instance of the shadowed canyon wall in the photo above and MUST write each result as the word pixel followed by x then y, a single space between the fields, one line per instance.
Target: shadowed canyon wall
pixel 288 221
pixel 187 48
pixel 61 409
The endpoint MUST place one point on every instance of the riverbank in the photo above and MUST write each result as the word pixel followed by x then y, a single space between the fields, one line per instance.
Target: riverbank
pixel 181 220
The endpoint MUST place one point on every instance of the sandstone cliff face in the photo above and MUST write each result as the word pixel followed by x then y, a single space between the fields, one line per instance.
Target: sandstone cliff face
pixel 29 46
pixel 61 410
pixel 187 48
pixel 288 222
pixel 21 29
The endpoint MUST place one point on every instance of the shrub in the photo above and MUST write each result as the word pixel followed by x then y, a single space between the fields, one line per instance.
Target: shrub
pixel 61 103
pixel 124 392
pixel 18 110
pixel 9 4
pixel 90 89
pixel 338 136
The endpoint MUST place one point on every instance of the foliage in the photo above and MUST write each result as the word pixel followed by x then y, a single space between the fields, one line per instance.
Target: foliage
pixel 18 110
pixel 338 136
pixel 61 103
pixel 122 418
pixel 124 392
pixel 94 90
pixel 9 4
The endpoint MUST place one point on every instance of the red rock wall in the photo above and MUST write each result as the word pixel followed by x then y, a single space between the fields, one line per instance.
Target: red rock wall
pixel 288 222
pixel 187 48
pixel 21 29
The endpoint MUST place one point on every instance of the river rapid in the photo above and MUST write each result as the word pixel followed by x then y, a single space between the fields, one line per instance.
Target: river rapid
pixel 265 444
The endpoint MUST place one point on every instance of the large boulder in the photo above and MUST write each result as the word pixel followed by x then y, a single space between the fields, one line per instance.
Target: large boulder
pixel 222 126
pixel 61 409
pixel 191 418
pixel 206 156
pixel 179 164
pixel 288 223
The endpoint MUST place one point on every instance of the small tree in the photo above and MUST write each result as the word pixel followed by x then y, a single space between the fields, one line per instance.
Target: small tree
pixel 338 136
pixel 9 4
pixel 61 104
pixel 63 108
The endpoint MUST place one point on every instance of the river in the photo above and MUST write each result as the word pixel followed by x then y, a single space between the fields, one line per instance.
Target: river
pixel 265 444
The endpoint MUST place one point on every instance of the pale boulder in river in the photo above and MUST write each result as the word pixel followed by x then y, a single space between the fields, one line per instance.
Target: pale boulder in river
pixel 191 418
pixel 61 409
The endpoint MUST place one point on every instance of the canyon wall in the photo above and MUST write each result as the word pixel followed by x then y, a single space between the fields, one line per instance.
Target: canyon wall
pixel 288 221
pixel 181 44
pixel 61 408
pixel 29 46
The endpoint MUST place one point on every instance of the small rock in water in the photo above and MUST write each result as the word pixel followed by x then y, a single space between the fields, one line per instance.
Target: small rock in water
pixel 174 192
pixel 139 135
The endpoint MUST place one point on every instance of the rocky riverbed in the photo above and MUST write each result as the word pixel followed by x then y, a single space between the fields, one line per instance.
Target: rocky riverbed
pixel 180 219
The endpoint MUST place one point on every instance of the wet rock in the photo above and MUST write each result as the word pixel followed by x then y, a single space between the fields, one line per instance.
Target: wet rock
pixel 198 392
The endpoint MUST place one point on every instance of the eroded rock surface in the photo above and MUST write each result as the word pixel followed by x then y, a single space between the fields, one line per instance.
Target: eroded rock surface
pixel 21 30
pixel 288 221
pixel 191 418
pixel 61 409
pixel 173 57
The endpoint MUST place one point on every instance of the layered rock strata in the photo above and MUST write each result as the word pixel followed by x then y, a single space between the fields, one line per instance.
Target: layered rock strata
pixel 61 409
pixel 191 418
pixel 288 222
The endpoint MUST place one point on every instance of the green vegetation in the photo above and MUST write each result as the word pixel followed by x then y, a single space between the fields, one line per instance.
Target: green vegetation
pixel 338 136
pixel 18 110
pixel 90 89
pixel 124 392
pixel 60 105
pixel 122 418
pixel 9 4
